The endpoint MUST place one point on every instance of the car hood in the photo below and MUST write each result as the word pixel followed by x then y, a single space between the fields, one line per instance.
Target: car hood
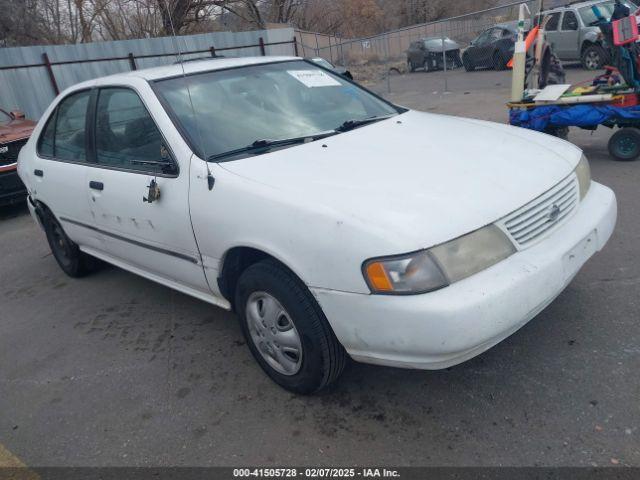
pixel 435 45
pixel 417 179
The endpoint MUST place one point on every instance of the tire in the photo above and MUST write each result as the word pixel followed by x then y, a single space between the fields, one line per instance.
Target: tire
pixel 624 145
pixel 311 358
pixel 593 57
pixel 458 60
pixel 558 132
pixel 499 62
pixel 468 63
pixel 71 260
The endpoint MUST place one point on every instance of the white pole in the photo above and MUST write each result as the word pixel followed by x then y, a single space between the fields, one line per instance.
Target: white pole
pixel 519 60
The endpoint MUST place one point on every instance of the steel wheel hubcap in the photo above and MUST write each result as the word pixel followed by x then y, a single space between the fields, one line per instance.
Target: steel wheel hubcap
pixel 273 333
pixel 627 145
pixel 593 59
pixel 61 243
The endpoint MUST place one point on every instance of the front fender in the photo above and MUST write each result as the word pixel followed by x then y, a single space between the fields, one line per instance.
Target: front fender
pixel 592 36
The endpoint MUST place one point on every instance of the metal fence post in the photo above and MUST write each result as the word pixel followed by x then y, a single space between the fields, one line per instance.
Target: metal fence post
pixel 132 62
pixel 263 52
pixel 330 50
pixel 386 64
pixel 52 77
pixel 317 46
pixel 295 46
pixel 444 60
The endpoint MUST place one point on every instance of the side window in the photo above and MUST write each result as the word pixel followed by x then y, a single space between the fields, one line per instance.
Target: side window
pixel 485 38
pixel 45 142
pixel 554 20
pixel 496 34
pixel 127 136
pixel 64 135
pixel 569 21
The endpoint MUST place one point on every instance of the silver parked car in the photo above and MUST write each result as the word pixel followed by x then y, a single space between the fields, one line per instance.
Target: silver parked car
pixel 574 35
pixel 427 53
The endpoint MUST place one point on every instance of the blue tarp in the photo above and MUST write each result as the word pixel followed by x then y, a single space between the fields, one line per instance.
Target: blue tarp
pixel 588 115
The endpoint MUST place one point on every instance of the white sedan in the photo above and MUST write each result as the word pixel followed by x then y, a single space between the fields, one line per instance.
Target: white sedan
pixel 334 223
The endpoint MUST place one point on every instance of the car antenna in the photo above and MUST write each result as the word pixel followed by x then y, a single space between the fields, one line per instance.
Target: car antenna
pixel 210 178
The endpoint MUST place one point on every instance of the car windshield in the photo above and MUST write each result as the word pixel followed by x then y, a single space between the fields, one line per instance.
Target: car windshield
pixel 606 9
pixel 235 108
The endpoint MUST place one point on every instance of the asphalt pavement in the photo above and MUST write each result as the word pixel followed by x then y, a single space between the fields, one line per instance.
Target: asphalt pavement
pixel 114 370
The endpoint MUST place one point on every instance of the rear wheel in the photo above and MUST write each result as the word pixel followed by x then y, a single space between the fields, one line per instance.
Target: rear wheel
pixel 286 330
pixel 593 57
pixel 499 62
pixel 624 145
pixel 71 260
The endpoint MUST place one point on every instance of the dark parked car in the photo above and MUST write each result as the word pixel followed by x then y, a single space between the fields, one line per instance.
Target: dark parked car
pixel 342 71
pixel 427 54
pixel 14 133
pixel 493 48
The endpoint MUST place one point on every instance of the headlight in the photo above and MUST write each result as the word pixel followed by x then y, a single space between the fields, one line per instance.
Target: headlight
pixel 583 172
pixel 438 267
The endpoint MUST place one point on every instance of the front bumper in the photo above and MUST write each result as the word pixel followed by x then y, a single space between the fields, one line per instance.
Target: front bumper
pixel 12 190
pixel 447 327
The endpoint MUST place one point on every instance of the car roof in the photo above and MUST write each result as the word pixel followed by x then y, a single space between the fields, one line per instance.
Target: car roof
pixel 203 65
pixel 586 3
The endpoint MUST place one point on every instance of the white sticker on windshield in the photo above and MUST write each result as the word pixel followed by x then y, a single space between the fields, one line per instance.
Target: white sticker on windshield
pixel 314 78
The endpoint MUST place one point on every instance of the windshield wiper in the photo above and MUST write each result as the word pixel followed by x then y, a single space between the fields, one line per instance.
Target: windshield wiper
pixel 264 145
pixel 352 124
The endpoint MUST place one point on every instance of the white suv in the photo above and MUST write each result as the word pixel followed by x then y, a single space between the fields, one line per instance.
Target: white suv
pixel 332 221
pixel 574 35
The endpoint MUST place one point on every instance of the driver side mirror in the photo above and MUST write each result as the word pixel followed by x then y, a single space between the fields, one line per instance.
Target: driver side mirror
pixel 17 115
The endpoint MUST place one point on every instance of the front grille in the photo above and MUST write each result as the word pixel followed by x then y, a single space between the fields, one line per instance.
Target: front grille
pixel 534 220
pixel 9 152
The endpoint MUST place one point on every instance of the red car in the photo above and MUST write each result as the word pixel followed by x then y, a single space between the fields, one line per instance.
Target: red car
pixel 15 130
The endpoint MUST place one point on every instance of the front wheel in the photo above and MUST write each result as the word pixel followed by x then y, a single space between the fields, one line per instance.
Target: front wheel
pixel 468 64
pixel 624 145
pixel 286 330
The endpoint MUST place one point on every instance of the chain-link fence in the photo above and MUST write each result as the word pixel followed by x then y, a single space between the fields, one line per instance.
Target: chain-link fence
pixel 446 49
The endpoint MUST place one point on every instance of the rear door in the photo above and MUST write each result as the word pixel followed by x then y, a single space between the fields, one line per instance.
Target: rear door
pixel 416 53
pixel 149 235
pixel 61 165
pixel 568 37
pixel 552 29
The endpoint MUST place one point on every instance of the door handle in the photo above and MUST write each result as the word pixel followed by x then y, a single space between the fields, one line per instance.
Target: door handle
pixel 96 185
pixel 38 173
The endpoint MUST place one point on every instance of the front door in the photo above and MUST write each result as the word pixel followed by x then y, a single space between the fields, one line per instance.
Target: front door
pixel 483 50
pixel 145 228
